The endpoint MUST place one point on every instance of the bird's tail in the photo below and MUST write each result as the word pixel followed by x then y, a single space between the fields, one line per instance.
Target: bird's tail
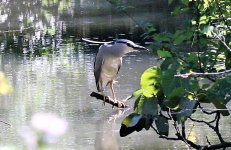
pixel 99 88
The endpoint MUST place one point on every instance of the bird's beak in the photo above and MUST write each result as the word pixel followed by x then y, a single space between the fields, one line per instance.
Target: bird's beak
pixel 138 47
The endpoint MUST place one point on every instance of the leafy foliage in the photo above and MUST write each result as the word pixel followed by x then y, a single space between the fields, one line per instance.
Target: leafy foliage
pixel 196 51
pixel 5 87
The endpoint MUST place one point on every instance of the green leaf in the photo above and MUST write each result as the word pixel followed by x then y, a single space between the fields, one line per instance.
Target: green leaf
pixel 221 89
pixel 177 10
pixel 146 105
pixel 185 2
pixel 179 37
pixel 170 63
pixel 174 97
pixel 150 91
pixel 228 79
pixel 151 76
pixel 137 101
pixel 176 93
pixel 131 120
pixel 162 125
pixel 5 87
pixel 218 102
pixel 203 20
pixel 151 29
pixel 187 106
pixel 164 53
pixel 169 82
pixel 192 60
pixel 208 31
pixel 149 79
pixel 137 125
pixel 203 96
pixel 162 37
pixel 170 2
pixel 185 109
pixel 136 93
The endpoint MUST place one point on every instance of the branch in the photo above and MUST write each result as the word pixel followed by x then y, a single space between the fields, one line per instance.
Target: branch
pixel 180 137
pixel 109 100
pixel 222 40
pixel 183 130
pixel 218 146
pixel 215 128
pixel 206 112
pixel 202 121
pixel 195 74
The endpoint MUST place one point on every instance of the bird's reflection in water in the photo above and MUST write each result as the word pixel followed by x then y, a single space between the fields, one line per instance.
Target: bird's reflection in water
pixel 107 133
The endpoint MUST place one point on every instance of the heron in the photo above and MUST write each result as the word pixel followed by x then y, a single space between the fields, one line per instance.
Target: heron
pixel 108 61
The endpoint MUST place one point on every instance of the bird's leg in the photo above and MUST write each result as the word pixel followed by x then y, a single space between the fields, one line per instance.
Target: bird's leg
pixel 113 91
pixel 104 97
pixel 99 84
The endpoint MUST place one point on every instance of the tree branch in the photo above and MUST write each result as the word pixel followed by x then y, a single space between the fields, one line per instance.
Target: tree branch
pixel 217 128
pixel 109 100
pixel 195 74
pixel 218 146
pixel 222 40
pixel 206 112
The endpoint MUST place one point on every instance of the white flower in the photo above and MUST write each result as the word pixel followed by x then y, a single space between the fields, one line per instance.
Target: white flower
pixel 49 125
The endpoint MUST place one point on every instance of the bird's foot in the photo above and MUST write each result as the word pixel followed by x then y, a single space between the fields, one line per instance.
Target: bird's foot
pixel 114 103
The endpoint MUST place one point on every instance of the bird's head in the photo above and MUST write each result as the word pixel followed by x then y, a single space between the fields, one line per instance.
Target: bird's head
pixel 129 46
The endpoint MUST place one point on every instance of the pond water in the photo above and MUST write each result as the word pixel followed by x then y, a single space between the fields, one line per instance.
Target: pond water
pixel 51 70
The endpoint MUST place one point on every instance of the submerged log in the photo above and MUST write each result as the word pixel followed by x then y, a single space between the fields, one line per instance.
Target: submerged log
pixel 109 100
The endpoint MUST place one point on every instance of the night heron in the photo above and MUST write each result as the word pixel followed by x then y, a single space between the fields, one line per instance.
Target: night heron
pixel 108 61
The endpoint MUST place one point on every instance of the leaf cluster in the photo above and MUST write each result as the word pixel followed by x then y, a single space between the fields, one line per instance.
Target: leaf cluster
pixel 171 92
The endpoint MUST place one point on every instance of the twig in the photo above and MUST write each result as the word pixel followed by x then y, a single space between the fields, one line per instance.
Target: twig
pixel 183 130
pixel 109 100
pixel 222 41
pixel 163 136
pixel 180 137
pixel 206 112
pixel 202 121
pixel 195 74
pixel 217 128
pixel 162 115
pixel 208 140
pixel 218 146
pixel 155 129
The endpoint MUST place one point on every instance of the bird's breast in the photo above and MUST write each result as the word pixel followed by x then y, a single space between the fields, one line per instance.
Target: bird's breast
pixel 110 67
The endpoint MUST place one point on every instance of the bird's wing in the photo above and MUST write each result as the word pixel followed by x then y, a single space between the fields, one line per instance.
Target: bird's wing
pixel 99 60
pixel 119 65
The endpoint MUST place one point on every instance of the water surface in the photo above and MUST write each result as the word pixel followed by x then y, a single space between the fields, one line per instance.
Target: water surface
pixel 51 70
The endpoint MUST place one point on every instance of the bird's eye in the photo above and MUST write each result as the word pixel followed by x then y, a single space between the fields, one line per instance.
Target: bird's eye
pixel 129 45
